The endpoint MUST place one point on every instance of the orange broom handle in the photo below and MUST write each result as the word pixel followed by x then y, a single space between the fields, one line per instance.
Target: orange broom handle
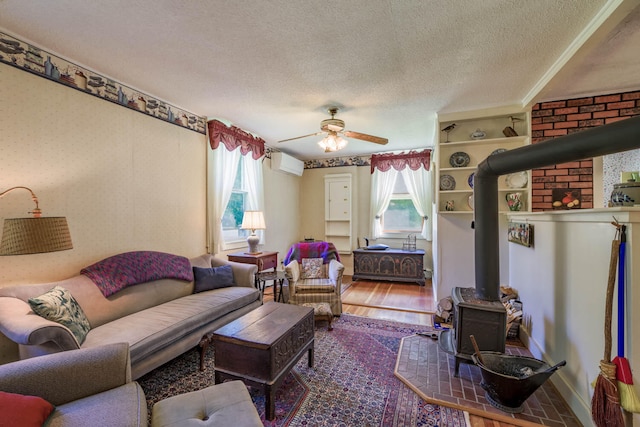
pixel 613 264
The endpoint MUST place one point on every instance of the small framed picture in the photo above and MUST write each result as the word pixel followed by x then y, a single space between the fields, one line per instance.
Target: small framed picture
pixel 564 198
pixel 520 233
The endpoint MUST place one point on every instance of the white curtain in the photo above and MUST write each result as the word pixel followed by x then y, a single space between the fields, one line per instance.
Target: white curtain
pixel 382 184
pixel 419 184
pixel 222 169
pixel 254 186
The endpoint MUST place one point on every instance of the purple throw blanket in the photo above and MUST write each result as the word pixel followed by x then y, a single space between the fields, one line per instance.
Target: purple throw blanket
pixel 119 271
pixel 325 250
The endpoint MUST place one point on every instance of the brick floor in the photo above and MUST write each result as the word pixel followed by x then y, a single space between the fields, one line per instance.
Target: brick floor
pixel 428 370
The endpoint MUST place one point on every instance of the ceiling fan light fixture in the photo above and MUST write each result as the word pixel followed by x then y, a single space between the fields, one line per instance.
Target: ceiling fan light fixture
pixel 332 142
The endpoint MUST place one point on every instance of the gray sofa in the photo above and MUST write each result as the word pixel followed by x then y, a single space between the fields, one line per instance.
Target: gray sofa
pixel 160 319
pixel 87 387
pixel 93 387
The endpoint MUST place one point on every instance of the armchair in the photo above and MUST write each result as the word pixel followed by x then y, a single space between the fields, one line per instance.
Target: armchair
pixel 326 286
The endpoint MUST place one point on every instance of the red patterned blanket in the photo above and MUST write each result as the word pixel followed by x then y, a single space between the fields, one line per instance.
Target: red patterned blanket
pixel 325 250
pixel 119 271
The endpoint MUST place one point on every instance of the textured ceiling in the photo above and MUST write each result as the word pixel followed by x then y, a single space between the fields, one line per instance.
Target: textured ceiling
pixel 272 67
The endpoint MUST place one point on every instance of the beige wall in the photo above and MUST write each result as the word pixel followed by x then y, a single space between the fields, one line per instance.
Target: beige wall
pixel 125 181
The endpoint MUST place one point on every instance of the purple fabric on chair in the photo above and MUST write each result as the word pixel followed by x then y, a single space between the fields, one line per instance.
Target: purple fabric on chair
pixel 119 271
pixel 325 250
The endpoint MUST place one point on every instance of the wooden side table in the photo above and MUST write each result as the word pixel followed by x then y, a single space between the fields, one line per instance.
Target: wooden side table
pixel 278 278
pixel 264 261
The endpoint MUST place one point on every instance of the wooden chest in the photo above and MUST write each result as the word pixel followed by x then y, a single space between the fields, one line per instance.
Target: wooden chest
pixel 262 346
pixel 390 264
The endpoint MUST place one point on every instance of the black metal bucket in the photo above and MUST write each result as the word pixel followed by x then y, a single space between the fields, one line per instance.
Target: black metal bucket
pixel 509 380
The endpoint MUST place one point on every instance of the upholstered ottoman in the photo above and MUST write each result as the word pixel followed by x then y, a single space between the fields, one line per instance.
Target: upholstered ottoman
pixel 226 404
pixel 321 311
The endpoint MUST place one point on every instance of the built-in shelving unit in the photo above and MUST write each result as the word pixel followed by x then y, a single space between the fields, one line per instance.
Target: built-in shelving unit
pixel 338 222
pixel 473 135
pixel 459 143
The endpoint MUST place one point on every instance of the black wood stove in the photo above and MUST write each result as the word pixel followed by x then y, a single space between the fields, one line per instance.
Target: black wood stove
pixel 485 320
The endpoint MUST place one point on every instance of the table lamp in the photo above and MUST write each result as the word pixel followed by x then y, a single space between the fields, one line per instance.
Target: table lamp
pixel 253 220
pixel 22 236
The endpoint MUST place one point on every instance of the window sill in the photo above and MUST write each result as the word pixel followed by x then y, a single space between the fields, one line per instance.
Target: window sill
pixel 400 236
pixel 236 244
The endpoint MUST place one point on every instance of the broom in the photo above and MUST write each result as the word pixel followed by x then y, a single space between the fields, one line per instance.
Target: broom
pixel 628 397
pixel 605 404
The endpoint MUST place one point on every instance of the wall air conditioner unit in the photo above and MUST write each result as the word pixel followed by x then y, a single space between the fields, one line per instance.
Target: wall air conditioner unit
pixel 285 163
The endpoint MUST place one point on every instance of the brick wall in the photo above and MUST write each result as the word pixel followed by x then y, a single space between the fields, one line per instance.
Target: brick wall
pixel 558 118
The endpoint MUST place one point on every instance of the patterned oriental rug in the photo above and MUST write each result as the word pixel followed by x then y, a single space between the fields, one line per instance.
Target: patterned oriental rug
pixel 351 384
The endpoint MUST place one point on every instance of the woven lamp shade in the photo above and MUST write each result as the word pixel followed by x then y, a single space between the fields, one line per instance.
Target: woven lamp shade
pixel 23 236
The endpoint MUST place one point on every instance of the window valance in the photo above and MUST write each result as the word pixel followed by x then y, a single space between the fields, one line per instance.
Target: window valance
pixel 413 159
pixel 233 137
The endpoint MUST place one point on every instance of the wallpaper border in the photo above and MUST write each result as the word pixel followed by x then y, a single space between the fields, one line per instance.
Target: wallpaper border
pixel 30 58
pixel 338 161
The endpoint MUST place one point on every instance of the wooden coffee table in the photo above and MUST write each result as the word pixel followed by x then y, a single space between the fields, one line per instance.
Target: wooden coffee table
pixel 261 347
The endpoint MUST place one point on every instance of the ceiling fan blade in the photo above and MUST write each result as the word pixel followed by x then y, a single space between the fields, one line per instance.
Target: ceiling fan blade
pixel 303 136
pixel 365 137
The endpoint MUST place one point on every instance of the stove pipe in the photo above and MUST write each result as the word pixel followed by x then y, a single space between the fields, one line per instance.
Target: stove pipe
pixel 612 138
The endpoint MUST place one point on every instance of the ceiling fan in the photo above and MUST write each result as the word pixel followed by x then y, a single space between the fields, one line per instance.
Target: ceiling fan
pixel 334 128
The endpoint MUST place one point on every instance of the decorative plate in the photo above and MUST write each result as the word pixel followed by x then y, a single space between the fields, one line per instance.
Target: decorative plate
pixel 478 134
pixel 459 159
pixel 447 183
pixel 470 180
pixel 498 151
pixel 517 180
pixel 470 201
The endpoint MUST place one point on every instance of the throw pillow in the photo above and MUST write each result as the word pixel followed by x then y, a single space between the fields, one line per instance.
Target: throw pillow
pixel 20 410
pixel 58 305
pixel 207 279
pixel 311 268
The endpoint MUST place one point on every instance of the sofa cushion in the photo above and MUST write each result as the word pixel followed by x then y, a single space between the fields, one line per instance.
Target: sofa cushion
pixel 121 406
pixel 322 286
pixel 100 310
pixel 24 411
pixel 155 328
pixel 207 279
pixel 311 268
pixel 58 305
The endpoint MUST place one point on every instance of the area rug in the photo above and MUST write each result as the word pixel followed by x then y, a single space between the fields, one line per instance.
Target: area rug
pixel 351 384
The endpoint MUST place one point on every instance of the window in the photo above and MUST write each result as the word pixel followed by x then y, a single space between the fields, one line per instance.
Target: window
pixel 397 180
pixel 401 215
pixel 234 171
pixel 232 217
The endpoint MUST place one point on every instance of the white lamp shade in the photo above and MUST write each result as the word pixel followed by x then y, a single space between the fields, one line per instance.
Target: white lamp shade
pixel 253 220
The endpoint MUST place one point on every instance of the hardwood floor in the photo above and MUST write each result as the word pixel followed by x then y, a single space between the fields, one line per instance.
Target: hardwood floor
pixel 400 302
